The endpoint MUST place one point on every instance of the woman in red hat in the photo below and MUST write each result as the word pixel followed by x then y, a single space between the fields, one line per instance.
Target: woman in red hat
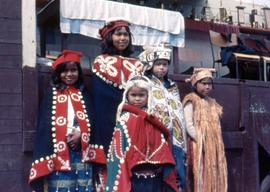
pixel 62 151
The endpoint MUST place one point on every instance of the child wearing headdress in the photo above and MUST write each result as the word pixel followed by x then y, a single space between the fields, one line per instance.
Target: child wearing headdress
pixel 62 153
pixel 139 157
pixel 166 103
pixel 207 167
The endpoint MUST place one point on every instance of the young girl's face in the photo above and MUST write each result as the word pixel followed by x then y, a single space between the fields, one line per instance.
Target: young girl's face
pixel 160 68
pixel 204 86
pixel 137 96
pixel 120 38
pixel 71 74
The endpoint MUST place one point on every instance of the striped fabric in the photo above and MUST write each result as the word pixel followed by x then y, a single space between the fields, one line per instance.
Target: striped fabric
pixel 79 179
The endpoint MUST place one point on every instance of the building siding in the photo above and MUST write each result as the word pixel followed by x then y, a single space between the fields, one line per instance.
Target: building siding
pixel 12 177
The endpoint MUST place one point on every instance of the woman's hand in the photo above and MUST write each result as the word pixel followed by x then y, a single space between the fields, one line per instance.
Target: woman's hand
pixel 74 140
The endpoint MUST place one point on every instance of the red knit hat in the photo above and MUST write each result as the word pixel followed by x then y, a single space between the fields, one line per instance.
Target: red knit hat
pixel 66 56
pixel 110 26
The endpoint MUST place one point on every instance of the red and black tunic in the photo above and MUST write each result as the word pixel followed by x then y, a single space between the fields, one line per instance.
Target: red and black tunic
pixel 50 148
pixel 138 139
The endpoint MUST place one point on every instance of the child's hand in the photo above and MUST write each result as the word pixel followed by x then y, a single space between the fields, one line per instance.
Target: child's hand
pixel 73 140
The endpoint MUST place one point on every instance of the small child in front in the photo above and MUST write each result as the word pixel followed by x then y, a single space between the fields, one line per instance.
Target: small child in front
pixel 139 157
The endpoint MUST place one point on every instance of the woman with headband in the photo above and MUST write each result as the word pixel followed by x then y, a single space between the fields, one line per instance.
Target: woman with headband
pixel 111 70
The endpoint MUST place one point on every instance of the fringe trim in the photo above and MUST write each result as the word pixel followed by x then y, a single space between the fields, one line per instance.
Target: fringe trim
pixel 209 170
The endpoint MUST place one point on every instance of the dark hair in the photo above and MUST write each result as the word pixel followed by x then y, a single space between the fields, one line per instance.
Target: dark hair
pixel 56 79
pixel 194 87
pixel 107 46
pixel 149 74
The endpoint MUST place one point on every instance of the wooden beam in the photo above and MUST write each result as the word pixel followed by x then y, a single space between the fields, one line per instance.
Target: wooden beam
pixel 49 11
pixel 40 3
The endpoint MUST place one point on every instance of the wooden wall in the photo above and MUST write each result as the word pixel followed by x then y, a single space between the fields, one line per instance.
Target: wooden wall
pixel 245 127
pixel 12 159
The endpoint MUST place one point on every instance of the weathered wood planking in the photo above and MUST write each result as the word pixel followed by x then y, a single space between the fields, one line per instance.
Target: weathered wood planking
pixel 10 31
pixel 10 81
pixel 12 174
pixel 10 49
pixel 10 9
pixel 13 182
pixel 11 139
pixel 30 106
pixel 11 112
pixel 11 161
pixel 235 175
pixel 10 126
pixel 10 99
pixel 10 62
pixel 260 115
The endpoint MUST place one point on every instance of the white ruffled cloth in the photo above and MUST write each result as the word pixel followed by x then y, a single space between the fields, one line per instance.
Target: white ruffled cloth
pixel 149 26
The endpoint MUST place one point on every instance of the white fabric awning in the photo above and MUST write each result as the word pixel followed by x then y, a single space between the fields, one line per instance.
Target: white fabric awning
pixel 149 26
